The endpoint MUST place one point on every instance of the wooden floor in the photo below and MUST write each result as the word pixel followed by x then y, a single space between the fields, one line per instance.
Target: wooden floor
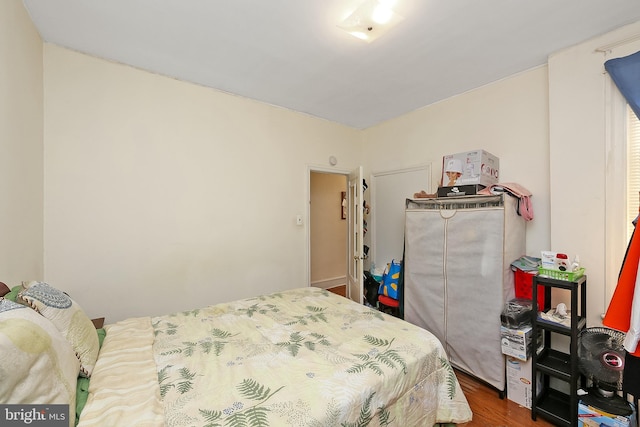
pixel 340 290
pixel 491 411
pixel 487 407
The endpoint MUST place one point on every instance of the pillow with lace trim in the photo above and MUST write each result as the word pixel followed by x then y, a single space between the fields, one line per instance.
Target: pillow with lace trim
pixel 68 317
pixel 38 365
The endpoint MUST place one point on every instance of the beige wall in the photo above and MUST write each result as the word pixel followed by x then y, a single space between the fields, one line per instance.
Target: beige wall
pixel 21 167
pixel 163 195
pixel 508 119
pixel 328 231
pixel 581 162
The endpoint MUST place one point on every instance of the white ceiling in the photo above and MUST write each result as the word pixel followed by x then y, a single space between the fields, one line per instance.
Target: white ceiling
pixel 290 53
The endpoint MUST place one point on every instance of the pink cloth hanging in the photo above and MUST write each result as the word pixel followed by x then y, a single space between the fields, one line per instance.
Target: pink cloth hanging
pixel 525 208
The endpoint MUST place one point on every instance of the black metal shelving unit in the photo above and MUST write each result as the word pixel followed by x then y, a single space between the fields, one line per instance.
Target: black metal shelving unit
pixel 555 405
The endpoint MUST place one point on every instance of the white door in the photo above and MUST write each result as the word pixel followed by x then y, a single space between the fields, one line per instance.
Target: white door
pixel 355 253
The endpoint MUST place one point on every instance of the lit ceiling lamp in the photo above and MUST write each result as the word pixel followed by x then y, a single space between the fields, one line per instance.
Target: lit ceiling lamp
pixel 371 19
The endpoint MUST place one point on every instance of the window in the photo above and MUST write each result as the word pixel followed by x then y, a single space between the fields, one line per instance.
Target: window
pixel 622 157
pixel 633 169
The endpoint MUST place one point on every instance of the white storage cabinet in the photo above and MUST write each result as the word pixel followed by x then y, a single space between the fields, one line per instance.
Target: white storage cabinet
pixel 457 276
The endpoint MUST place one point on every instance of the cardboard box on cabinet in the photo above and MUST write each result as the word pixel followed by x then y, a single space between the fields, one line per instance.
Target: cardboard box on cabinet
pixel 470 168
pixel 459 190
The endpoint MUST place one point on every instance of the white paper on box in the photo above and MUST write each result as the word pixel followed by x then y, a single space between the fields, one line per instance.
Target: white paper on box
pixel 516 342
pixel 472 167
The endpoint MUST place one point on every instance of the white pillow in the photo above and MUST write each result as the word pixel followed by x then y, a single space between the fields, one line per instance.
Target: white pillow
pixel 69 318
pixel 38 365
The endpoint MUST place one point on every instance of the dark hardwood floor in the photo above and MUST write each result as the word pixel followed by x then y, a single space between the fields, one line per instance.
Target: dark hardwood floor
pixel 340 290
pixel 487 407
pixel 491 411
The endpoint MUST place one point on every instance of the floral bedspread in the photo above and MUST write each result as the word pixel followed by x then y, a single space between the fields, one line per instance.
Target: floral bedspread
pixel 304 357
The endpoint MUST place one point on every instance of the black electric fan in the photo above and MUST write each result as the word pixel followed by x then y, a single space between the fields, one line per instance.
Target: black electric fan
pixel 601 360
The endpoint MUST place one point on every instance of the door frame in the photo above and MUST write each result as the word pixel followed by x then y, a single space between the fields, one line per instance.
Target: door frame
pixel 310 170
pixel 355 235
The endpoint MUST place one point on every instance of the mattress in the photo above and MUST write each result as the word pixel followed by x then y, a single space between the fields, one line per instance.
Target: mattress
pixel 303 357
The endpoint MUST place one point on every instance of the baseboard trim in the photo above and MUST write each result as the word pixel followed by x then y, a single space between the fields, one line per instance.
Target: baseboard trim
pixel 331 282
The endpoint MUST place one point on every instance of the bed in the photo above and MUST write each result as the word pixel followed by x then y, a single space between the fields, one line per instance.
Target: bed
pixel 302 357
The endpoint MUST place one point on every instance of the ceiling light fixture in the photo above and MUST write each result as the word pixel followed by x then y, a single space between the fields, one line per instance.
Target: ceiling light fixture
pixel 371 19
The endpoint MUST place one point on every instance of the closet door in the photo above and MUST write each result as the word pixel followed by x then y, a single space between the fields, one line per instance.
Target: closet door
pixel 474 293
pixel 424 281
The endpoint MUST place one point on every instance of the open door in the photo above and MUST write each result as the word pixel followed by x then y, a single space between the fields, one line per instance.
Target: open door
pixel 355 252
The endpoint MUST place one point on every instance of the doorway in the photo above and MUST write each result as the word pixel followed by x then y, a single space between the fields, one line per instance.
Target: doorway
pixel 328 230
